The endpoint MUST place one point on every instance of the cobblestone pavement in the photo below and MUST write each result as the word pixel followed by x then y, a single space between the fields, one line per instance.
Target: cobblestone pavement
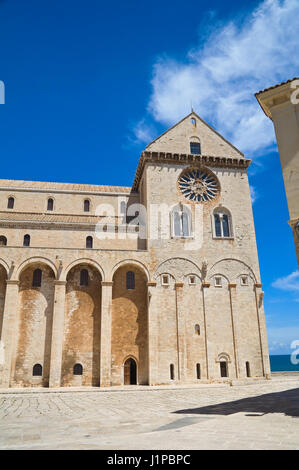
pixel 257 416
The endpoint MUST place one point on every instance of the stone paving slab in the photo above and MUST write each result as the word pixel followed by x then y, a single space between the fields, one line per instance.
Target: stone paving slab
pixel 257 416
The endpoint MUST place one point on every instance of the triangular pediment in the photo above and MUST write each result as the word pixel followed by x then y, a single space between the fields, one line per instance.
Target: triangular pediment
pixel 193 128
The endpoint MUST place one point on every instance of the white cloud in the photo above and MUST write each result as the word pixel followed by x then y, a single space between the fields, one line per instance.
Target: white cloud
pixel 221 75
pixel 253 194
pixel 280 339
pixel 288 283
pixel 144 132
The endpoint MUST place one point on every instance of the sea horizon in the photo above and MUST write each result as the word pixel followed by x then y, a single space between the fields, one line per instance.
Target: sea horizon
pixel 282 363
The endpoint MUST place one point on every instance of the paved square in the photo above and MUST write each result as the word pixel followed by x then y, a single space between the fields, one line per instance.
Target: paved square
pixel 258 416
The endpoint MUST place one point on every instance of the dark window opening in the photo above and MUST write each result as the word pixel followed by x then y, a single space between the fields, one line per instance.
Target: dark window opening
pixel 86 205
pixel 130 372
pixel 195 148
pixel 26 241
pixel 10 203
pixel 171 372
pixel 223 369
pixel 225 225
pixel 37 278
pixel 50 205
pixel 89 242
pixel 84 277
pixel 37 370
pixel 198 371
pixel 197 329
pixel 217 225
pixel 130 280
pixel 3 241
pixel 78 369
pixel 248 369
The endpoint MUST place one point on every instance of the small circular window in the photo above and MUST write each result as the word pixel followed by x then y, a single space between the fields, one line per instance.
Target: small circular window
pixel 198 185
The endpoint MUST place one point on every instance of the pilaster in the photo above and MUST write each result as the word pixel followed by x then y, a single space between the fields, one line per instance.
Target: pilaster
pixel 57 334
pixel 106 331
pixel 9 335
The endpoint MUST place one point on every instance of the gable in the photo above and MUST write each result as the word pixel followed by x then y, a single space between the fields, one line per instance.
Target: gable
pixel 177 139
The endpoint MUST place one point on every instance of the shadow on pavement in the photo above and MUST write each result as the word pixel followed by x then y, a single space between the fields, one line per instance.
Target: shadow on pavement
pixel 286 402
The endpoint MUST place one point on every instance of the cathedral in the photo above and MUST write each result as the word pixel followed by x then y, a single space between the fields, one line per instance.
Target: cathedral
pixel 154 284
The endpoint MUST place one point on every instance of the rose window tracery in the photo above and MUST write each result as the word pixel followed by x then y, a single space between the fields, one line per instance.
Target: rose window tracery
pixel 198 185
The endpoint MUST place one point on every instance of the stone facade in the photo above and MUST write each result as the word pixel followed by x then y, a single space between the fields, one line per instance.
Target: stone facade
pixel 154 284
pixel 281 104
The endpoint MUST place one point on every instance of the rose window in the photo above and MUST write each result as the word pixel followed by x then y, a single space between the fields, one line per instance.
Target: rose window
pixel 198 185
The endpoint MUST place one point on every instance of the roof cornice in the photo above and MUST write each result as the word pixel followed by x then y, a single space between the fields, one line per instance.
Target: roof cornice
pixel 183 158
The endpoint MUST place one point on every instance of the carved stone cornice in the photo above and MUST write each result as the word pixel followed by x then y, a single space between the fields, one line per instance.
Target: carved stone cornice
pixel 232 285
pixel 206 284
pixel 183 158
pixel 177 285
pixel 274 96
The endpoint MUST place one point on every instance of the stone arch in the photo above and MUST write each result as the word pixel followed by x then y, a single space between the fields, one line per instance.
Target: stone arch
pixel 218 273
pixel 82 324
pixel 225 211
pixel 165 273
pixel 129 336
pixel 34 260
pixel 177 267
pixel 86 261
pixel 3 279
pixel 191 273
pixel 130 374
pixel 132 262
pixel 223 356
pixel 5 266
pixel 35 322
pixel 231 268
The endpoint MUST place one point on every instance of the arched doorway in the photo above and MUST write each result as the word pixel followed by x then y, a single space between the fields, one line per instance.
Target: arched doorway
pixel 130 372
pixel 33 347
pixel 129 337
pixel 82 327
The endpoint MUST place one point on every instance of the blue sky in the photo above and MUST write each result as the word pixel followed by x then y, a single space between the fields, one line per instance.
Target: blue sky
pixel 88 84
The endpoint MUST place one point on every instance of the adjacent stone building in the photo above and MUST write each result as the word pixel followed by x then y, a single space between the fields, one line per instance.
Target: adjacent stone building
pixel 154 284
pixel 281 104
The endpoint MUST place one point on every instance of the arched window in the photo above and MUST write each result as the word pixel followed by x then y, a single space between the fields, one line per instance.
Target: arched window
pixel 181 221
pixel 197 330
pixel 78 369
pixel 171 372
pixel 248 369
pixel 26 241
pixel 37 370
pixel 123 211
pixel 10 203
pixel 130 280
pixel 84 277
pixel 89 242
pixel 50 204
pixel 198 371
pixel 86 205
pixel 193 121
pixel 222 224
pixel 37 278
pixel 195 148
pixel 223 369
pixel 3 240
